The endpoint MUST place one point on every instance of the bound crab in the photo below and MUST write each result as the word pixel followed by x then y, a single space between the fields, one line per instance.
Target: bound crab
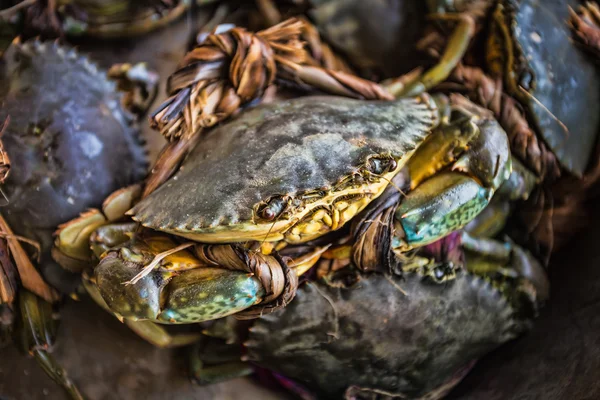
pixel 269 179
pixel 258 202
pixel 63 114
pixel 362 324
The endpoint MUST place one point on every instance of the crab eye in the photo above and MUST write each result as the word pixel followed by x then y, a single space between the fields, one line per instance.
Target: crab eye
pixel 381 165
pixel 392 165
pixel 443 270
pixel 439 273
pixel 272 209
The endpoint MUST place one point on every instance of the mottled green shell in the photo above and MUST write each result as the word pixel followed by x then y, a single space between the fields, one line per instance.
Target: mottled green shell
pixel 407 337
pixel 197 295
pixel 566 81
pixel 427 216
pixel 289 147
pixel 193 296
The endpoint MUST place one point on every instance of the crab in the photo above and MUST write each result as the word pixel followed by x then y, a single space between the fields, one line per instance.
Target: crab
pixel 517 52
pixel 99 18
pixel 66 123
pixel 209 237
pixel 535 97
pixel 413 333
pixel 372 34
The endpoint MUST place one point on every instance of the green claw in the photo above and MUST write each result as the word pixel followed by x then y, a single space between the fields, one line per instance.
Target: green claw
pixel 209 293
pixel 182 290
pixel 474 154
pixel 439 206
pixel 151 332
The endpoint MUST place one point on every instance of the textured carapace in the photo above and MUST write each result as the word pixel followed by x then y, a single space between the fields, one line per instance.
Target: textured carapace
pixel 408 337
pixel 284 167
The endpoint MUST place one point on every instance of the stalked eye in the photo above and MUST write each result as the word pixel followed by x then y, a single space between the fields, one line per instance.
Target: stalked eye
pixel 381 165
pixel 443 271
pixel 392 165
pixel 272 209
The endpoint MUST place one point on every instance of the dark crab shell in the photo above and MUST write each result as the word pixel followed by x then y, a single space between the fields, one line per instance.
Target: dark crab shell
pixel 288 147
pixel 566 82
pixel 375 34
pixel 105 18
pixel 70 142
pixel 405 337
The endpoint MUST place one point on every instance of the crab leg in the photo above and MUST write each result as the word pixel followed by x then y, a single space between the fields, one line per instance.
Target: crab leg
pixel 495 260
pixel 586 26
pixel 139 85
pixel 72 244
pixel 455 50
pixel 213 361
pixel 37 331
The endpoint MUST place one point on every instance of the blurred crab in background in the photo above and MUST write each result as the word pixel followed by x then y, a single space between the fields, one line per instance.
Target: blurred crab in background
pixel 94 18
pixel 65 123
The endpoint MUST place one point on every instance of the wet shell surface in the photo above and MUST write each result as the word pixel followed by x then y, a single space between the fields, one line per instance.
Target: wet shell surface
pixel 70 142
pixel 564 100
pixel 407 337
pixel 289 147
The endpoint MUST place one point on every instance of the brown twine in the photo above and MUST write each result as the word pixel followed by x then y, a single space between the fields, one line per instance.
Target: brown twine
pixel 524 142
pixel 4 159
pixel 278 280
pixel 586 26
pixel 233 68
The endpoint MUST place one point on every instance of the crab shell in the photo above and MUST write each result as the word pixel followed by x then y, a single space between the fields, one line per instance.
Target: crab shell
pixel 563 98
pixel 311 152
pixel 407 337
pixel 70 142
pixel 373 34
pixel 117 18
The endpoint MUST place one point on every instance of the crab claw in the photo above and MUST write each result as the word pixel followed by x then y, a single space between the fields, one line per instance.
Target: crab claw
pixel 184 286
pixel 72 248
pixel 448 201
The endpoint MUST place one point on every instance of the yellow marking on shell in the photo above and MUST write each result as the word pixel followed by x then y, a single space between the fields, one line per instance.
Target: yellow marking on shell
pixel 357 197
pixel 180 261
pixel 353 209
pixel 267 248
pixel 305 262
pixel 335 217
pixel 327 220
